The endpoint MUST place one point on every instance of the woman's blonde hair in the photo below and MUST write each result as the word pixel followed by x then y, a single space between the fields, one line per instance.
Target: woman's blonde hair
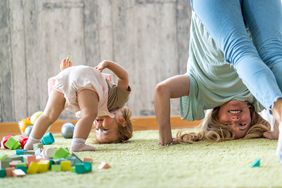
pixel 125 129
pixel 213 130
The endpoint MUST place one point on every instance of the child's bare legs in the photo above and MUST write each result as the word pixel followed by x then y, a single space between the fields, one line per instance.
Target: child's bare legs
pixel 88 104
pixel 53 109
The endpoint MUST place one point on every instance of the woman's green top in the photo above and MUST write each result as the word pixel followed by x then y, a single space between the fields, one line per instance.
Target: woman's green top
pixel 213 81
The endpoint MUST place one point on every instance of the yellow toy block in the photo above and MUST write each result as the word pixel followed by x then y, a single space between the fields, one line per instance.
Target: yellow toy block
pixel 32 168
pixel 66 165
pixel 43 166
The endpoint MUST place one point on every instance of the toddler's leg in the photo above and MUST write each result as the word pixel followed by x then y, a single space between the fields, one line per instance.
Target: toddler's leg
pixel 53 109
pixel 88 103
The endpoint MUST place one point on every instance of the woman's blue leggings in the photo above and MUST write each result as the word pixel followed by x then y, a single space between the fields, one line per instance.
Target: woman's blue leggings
pixel 257 60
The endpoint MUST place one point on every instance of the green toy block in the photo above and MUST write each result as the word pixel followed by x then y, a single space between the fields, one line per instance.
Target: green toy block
pixel 3 157
pixel 12 143
pixel 2 173
pixel 61 153
pixel 256 163
pixel 56 167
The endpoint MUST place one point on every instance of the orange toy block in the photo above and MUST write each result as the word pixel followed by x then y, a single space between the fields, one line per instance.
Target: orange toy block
pixel 9 171
pixel 87 159
pixel 30 159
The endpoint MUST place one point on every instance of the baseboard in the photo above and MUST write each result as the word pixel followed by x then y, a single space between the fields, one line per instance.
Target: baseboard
pixel 139 123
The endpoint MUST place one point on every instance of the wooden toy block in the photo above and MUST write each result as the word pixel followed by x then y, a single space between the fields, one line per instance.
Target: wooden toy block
pixel 87 159
pixel 74 159
pixel 47 139
pixel 104 165
pixel 9 171
pixel 16 158
pixel 56 167
pixel 23 140
pixel 66 165
pixel 4 164
pixel 12 143
pixel 256 163
pixel 15 163
pixel 2 173
pixel 61 153
pixel 30 159
pixel 3 157
pixel 4 140
pixel 23 168
pixel 32 168
pixel 38 146
pixel 43 166
pixel 18 173
pixel 37 151
pixel 21 164
pixel 24 152
pixel 79 168
pixel 87 166
pixel 48 152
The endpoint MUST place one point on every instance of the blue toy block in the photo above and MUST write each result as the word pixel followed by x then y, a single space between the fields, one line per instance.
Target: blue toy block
pixel 256 163
pixel 47 139
pixel 82 168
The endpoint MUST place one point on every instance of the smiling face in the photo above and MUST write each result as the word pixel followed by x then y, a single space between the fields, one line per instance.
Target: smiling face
pixel 236 115
pixel 107 128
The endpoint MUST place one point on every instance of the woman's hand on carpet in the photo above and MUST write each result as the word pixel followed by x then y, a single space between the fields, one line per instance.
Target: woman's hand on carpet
pixel 173 142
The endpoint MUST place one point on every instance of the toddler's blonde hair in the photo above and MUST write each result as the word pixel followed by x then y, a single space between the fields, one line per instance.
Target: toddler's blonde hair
pixel 213 130
pixel 125 129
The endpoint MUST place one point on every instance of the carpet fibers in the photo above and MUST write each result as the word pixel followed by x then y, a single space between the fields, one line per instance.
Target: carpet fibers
pixel 143 163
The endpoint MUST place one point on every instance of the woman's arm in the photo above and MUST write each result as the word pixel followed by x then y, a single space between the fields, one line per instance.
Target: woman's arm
pixel 173 87
pixel 118 70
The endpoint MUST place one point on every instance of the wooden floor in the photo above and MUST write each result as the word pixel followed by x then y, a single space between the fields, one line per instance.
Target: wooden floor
pixel 139 123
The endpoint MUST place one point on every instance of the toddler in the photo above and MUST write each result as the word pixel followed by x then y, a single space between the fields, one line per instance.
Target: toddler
pixel 84 89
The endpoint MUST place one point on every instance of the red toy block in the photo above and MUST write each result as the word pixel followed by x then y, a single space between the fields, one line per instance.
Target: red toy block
pixel 23 139
pixel 4 140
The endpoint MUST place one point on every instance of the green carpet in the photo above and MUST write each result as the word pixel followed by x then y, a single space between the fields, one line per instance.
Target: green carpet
pixel 143 163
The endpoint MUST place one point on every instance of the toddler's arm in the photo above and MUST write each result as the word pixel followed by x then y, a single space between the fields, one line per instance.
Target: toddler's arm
pixel 118 70
pixel 65 63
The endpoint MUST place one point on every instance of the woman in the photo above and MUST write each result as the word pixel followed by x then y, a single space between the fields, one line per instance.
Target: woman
pixel 235 54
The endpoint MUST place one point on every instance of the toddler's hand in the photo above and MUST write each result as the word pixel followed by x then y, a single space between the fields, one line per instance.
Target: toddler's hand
pixel 102 65
pixel 65 63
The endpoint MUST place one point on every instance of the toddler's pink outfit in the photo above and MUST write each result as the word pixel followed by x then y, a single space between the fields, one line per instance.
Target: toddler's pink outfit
pixel 74 79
